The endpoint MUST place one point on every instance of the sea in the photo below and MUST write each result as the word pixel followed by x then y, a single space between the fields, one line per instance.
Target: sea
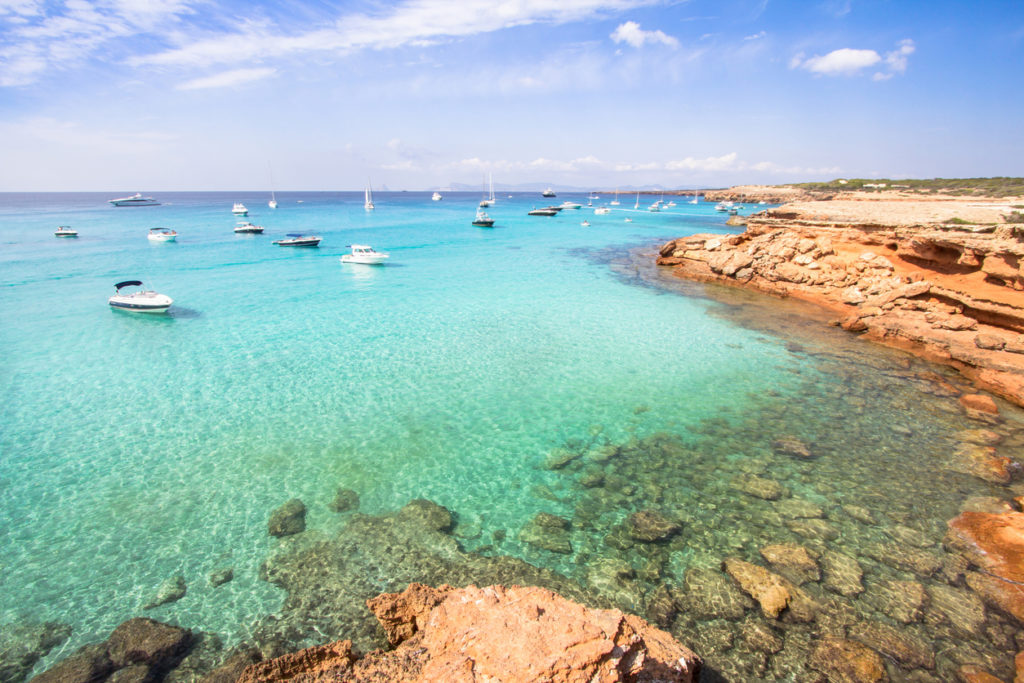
pixel 136 447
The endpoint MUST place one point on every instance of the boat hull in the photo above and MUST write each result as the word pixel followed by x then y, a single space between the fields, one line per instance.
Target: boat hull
pixel 162 238
pixel 298 243
pixel 65 234
pixel 157 303
pixel 484 224
pixel 364 260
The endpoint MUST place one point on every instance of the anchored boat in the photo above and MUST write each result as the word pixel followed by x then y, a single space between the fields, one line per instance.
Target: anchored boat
pixel 139 301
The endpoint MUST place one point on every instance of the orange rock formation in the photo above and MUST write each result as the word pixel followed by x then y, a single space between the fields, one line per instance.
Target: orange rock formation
pixel 941 279
pixel 494 633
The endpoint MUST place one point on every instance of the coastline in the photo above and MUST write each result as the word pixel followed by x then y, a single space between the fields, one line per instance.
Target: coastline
pixel 938 277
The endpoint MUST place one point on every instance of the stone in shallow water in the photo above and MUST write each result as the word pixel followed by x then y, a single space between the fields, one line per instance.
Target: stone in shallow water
pixel 428 513
pixel 559 458
pixel 288 519
pixel 908 536
pixel 861 514
pixel 793 561
pixel 592 479
pixel 171 590
pixel 793 447
pixel 24 644
pixel 759 487
pixel 219 577
pixel 816 529
pixel 661 606
pixel 344 500
pixel 904 601
pixel 913 560
pixel 847 661
pixel 843 573
pixel 798 508
pixel 903 647
pixel 548 532
pixel 759 636
pixel 711 595
pixel 963 609
pixel 768 589
pixel 649 526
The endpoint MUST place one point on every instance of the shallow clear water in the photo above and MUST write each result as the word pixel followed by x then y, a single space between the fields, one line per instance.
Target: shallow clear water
pixel 134 448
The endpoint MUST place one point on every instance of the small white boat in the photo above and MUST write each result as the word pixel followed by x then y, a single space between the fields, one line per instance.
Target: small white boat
pixel 368 202
pixel 656 206
pixel 65 231
pixel 436 197
pixel 248 228
pixel 629 220
pixel 482 220
pixel 140 301
pixel 585 224
pixel 637 205
pixel 615 202
pixel 162 235
pixel 272 203
pixel 695 200
pixel 601 210
pixel 365 255
pixel 548 193
pixel 571 205
pixel 273 199
pixel 135 200
pixel 670 203
pixel 239 209
pixel 296 239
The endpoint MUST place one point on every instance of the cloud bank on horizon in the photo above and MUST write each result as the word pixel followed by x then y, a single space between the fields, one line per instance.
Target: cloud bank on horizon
pixel 189 94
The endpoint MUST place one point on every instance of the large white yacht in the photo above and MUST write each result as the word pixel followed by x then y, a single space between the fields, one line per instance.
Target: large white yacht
pixel 135 200
pixel 162 235
pixel 239 209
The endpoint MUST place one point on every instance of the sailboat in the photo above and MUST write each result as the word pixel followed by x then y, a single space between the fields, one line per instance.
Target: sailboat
pixel 489 200
pixel 615 202
pixel 694 200
pixel 368 204
pixel 637 205
pixel 273 200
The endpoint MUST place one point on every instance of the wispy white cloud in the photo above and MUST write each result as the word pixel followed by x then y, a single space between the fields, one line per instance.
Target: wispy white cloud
pixel 631 33
pixel 414 22
pixel 228 79
pixel 69 134
pixel 851 62
pixel 756 36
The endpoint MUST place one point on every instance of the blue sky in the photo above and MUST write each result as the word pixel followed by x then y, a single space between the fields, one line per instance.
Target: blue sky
pixel 213 94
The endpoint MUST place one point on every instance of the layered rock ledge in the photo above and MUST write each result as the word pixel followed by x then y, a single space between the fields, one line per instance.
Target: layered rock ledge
pixel 493 633
pixel 941 279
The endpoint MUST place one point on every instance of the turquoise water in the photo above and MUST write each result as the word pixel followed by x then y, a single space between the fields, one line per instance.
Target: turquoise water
pixel 134 448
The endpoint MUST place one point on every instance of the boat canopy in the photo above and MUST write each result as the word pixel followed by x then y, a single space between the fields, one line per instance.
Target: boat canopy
pixel 128 283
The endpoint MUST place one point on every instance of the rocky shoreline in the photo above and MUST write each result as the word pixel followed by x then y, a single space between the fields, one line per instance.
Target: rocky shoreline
pixel 946 286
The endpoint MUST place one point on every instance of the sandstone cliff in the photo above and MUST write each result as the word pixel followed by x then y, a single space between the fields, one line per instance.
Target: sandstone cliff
pixel 941 279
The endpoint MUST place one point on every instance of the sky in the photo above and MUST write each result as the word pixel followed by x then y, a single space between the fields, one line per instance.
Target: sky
pixel 149 95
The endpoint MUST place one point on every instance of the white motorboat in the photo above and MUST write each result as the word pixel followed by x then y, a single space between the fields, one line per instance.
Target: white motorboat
pixel 135 200
pixel 656 206
pixel 364 254
pixel 601 210
pixel 65 231
pixel 543 212
pixel 239 209
pixel 248 228
pixel 297 239
pixel 571 205
pixel 368 202
pixel 670 203
pixel 436 197
pixel 548 193
pixel 482 220
pixel 162 235
pixel 629 220
pixel 138 301
pixel 585 224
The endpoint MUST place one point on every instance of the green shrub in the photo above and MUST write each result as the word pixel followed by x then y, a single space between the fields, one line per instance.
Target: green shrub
pixel 957 221
pixel 1015 217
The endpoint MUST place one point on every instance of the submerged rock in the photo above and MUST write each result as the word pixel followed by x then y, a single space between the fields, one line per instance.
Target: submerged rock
pixel 711 595
pixel 847 661
pixel 995 544
pixel 428 513
pixel 769 590
pixel 288 519
pixel 219 577
pixel 792 561
pixel 904 601
pixel 901 646
pixel 843 573
pixel 548 532
pixel 759 487
pixel 962 608
pixel 22 645
pixel 493 633
pixel 171 590
pixel 648 526
pixel 344 500
pixel 793 447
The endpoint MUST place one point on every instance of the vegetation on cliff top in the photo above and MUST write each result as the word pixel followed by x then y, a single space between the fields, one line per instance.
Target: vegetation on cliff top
pixel 988 187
